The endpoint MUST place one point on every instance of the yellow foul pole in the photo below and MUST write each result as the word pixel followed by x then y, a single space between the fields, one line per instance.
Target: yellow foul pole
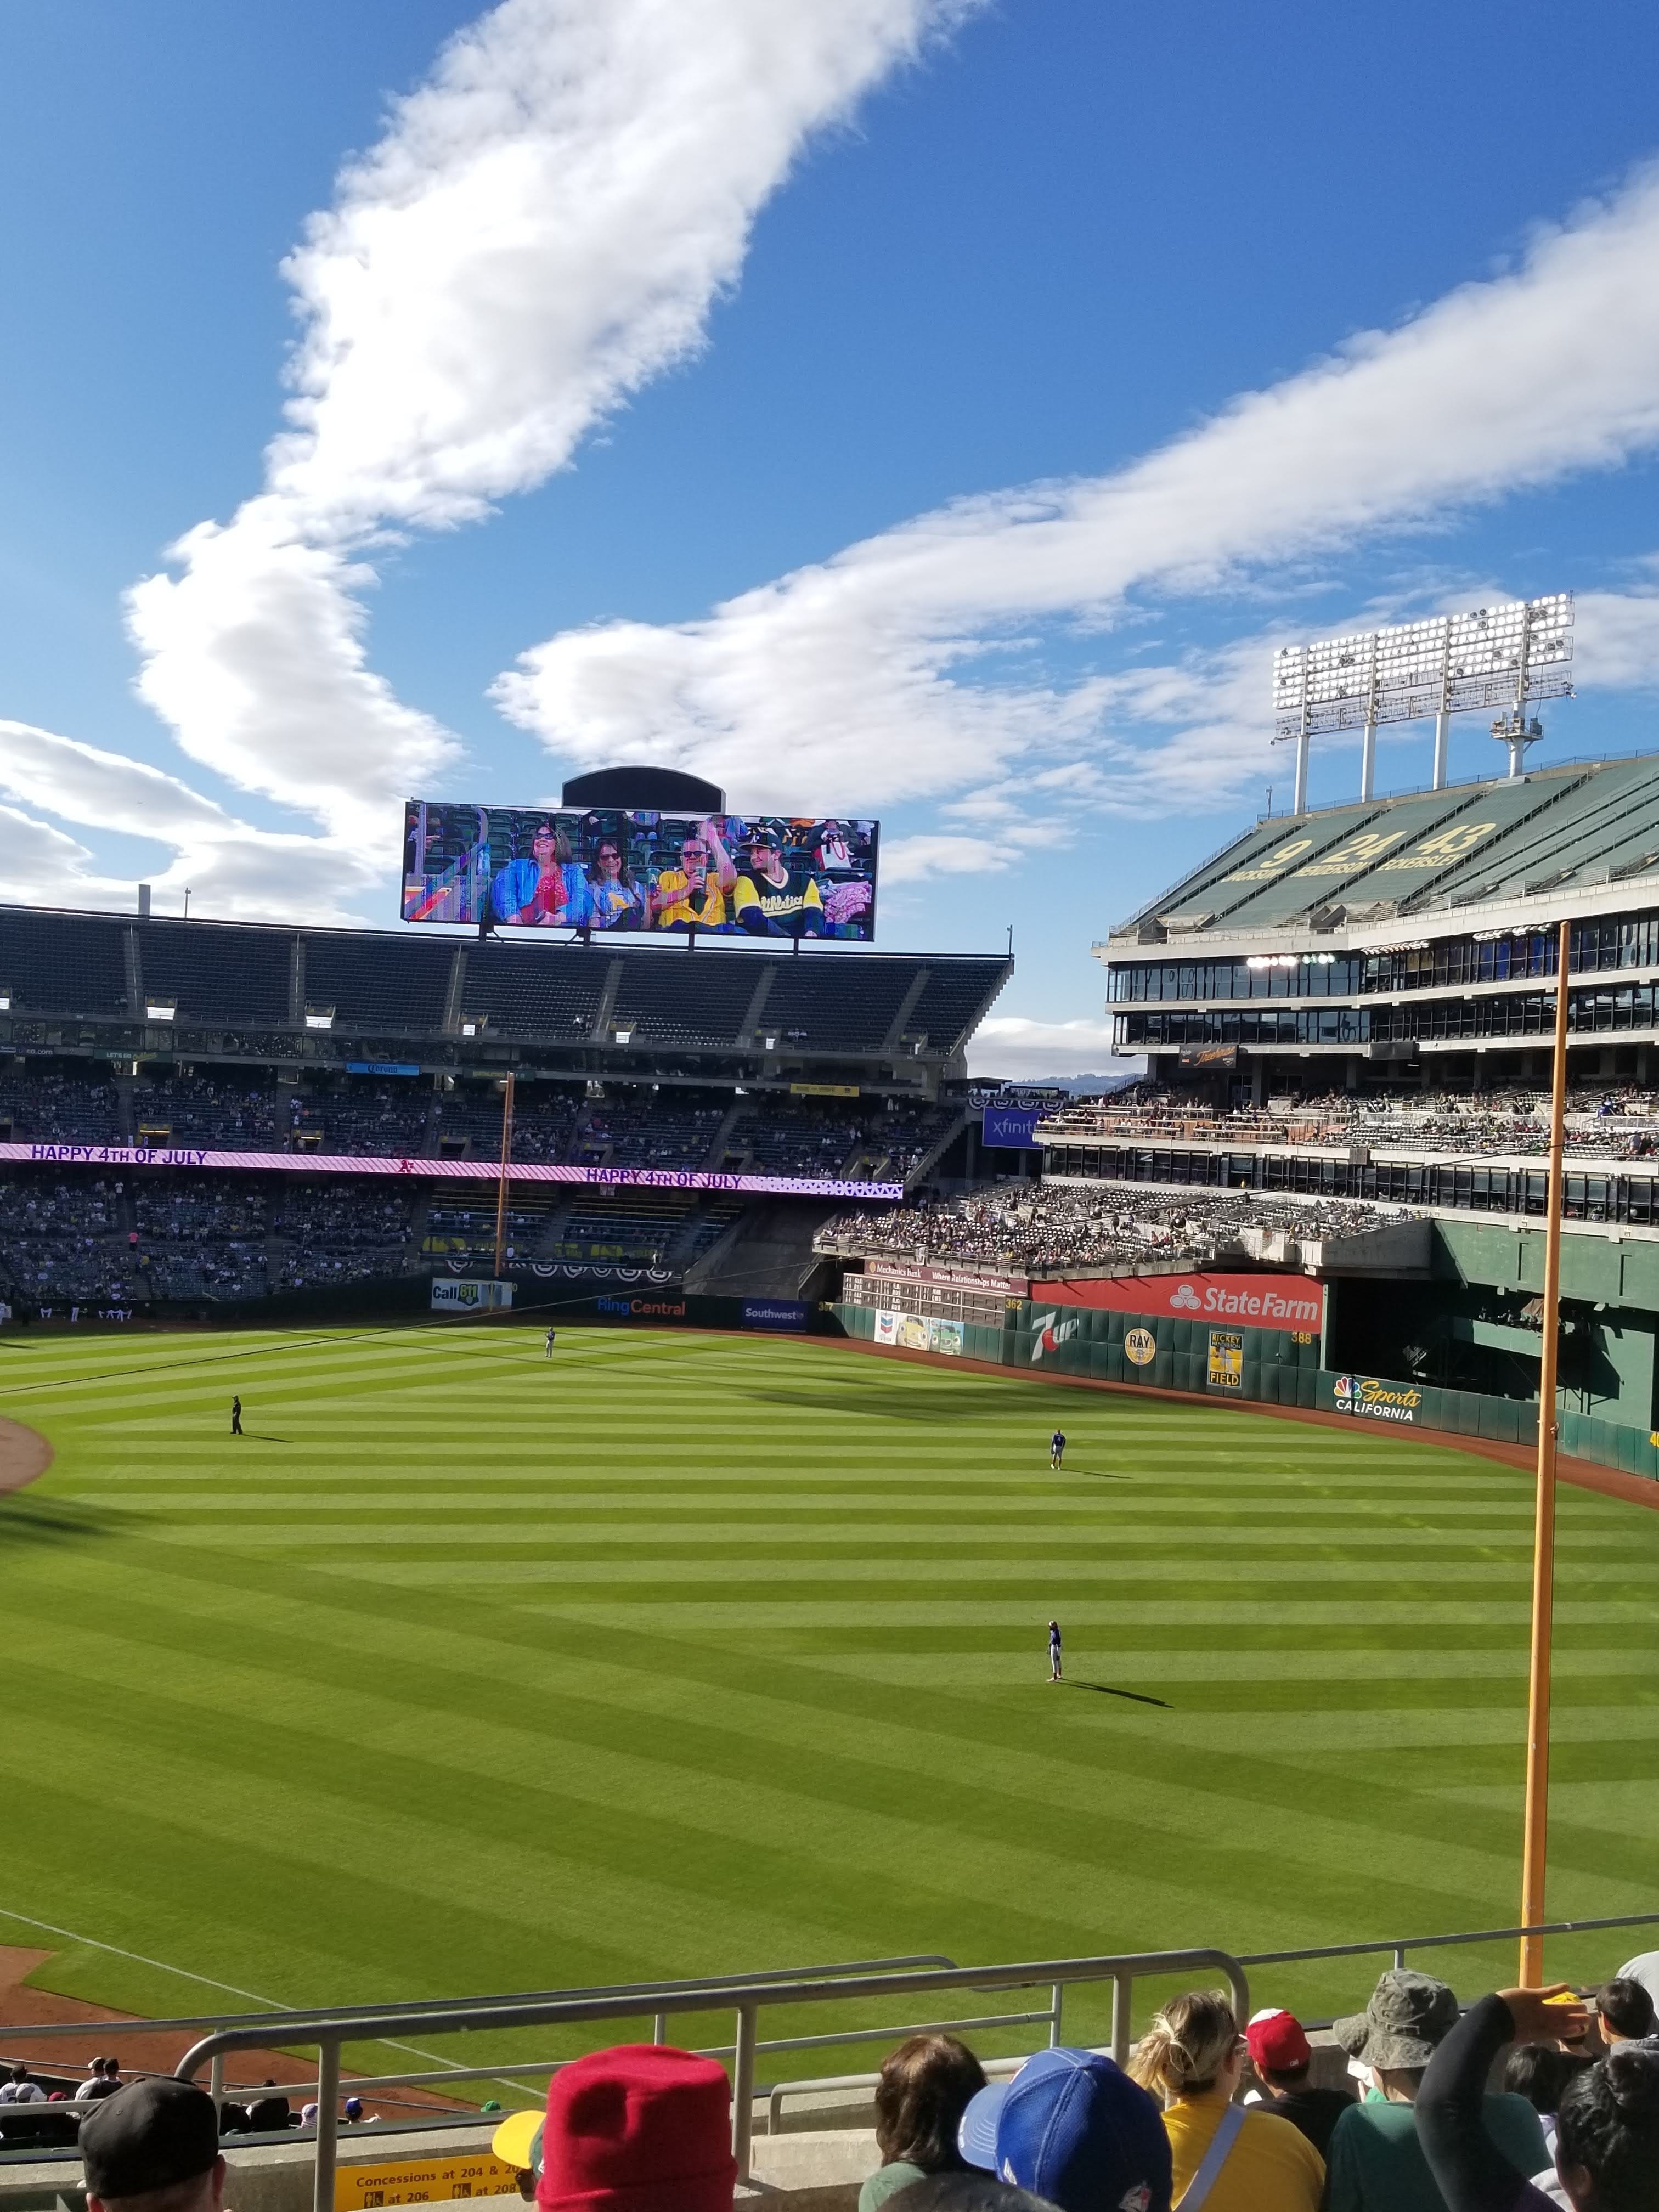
pixel 1535 1846
pixel 500 1194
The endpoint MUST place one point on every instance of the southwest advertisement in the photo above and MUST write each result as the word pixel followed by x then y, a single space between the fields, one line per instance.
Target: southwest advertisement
pixel 727 875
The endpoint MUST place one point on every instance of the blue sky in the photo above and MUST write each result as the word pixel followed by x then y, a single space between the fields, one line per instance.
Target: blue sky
pixel 624 325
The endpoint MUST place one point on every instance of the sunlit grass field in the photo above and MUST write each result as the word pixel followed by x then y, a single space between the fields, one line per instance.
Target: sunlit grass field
pixel 466 1669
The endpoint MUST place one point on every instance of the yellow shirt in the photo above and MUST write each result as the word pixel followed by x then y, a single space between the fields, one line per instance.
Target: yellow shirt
pixel 709 915
pixel 777 905
pixel 1272 2166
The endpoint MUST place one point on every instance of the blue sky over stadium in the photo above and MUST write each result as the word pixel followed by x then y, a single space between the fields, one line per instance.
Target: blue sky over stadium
pixel 932 408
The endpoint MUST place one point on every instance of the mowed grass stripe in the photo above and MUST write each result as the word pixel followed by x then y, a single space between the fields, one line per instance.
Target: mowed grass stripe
pixel 493 1644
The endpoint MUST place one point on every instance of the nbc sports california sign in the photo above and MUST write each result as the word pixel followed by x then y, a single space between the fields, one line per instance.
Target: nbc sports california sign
pixel 1290 1302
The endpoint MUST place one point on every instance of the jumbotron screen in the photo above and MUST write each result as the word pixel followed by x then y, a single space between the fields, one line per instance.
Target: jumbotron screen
pixel 734 875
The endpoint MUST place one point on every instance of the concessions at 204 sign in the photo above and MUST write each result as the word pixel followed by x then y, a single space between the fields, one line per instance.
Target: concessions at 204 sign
pixel 1289 1302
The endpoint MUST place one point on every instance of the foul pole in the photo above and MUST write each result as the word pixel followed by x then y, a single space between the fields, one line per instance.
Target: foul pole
pixel 500 1191
pixel 1535 1845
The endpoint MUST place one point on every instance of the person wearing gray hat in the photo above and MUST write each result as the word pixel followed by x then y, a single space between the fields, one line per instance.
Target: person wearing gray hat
pixel 155 2141
pixel 1375 2162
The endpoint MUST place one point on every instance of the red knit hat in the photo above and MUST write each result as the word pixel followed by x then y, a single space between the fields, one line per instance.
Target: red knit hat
pixel 1276 2041
pixel 643 2128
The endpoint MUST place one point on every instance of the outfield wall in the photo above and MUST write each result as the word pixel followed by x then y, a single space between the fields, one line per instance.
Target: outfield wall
pixel 1257 1366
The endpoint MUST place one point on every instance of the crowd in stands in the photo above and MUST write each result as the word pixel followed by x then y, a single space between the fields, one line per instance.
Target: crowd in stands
pixel 201 1239
pixel 62 1241
pixel 332 1234
pixel 1039 1227
pixel 54 1109
pixel 364 1118
pixel 1396 2113
pixel 227 1114
pixel 1616 1122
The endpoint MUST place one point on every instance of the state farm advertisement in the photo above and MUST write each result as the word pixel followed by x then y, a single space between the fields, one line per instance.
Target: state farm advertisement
pixel 1260 1301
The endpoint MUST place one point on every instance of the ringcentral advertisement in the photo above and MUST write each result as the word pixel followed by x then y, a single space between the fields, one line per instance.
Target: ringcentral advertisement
pixel 731 875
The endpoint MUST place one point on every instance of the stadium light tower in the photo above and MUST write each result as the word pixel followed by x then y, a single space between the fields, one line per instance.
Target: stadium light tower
pixel 1503 656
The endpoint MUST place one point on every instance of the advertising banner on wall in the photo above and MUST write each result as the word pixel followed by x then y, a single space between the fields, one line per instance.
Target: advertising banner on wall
pixel 451 1294
pixel 1292 1302
pixel 1226 1360
pixel 1009 1128
pixel 731 875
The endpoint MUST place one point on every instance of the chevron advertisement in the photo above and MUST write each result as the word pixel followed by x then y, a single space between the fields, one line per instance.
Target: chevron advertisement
pixel 1288 1302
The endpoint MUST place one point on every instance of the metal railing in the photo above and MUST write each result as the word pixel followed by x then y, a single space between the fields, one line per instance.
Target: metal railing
pixel 746 1996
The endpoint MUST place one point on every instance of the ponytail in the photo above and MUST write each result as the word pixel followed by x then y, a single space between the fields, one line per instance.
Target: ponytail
pixel 1183 2051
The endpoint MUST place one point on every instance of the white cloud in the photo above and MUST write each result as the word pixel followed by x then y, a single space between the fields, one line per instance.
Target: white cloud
pixel 46 866
pixel 231 868
pixel 906 666
pixel 1618 638
pixel 1009 1044
pixel 542 228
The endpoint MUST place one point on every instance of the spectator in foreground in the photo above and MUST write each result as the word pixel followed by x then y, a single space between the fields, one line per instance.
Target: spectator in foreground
pixel 1540 2072
pixel 1072 2129
pixel 1376 2161
pixel 1249 2160
pixel 1607 2157
pixel 1281 2055
pixel 155 2135
pixel 1625 2011
pixel 924 2090
pixel 642 2128
pixel 965 2191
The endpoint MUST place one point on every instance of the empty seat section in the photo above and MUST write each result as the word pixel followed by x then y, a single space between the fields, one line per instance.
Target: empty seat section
pixel 686 998
pixel 535 990
pixel 63 964
pixel 823 1003
pixel 211 972
pixel 953 998
pixel 401 981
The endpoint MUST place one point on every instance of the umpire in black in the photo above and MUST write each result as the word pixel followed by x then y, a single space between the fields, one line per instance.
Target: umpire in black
pixel 154 2147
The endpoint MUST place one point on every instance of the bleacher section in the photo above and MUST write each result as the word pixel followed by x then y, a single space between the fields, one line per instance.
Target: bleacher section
pixel 259 982
pixel 531 990
pixel 396 983
pixel 168 1035
pixel 63 963
pixel 1406 942
pixel 846 1005
pixel 656 1001
pixel 213 973
pixel 1575 827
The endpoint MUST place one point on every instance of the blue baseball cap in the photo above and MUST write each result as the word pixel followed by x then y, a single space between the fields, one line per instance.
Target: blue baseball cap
pixel 1071 2127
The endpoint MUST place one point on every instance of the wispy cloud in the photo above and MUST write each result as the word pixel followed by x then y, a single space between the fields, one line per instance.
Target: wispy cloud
pixel 541 229
pixel 912 664
pixel 231 866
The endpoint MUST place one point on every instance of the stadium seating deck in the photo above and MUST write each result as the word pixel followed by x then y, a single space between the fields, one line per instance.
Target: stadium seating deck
pixel 63 963
pixel 212 971
pixel 1575 825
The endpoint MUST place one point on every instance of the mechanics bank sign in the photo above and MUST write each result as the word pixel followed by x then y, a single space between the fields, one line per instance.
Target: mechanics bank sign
pixel 1258 1301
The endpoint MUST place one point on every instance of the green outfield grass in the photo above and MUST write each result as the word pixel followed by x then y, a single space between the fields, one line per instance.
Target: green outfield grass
pixel 466 1670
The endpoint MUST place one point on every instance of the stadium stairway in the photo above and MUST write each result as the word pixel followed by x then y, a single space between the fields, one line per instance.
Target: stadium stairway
pixel 769 1254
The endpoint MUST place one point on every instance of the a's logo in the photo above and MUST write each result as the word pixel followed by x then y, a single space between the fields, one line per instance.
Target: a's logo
pixel 1184 1299
pixel 1140 1346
